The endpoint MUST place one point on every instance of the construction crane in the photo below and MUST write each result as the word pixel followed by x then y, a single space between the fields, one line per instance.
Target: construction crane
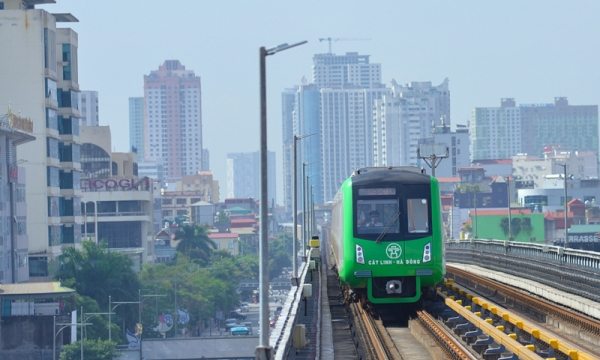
pixel 340 39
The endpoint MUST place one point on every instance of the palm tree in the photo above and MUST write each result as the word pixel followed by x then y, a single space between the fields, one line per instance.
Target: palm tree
pixel 195 242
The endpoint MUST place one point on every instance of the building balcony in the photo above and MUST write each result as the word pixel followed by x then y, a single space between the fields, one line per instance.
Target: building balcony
pixel 52 133
pixel 52 104
pixel 70 84
pixel 53 220
pixel 69 112
pixel 52 191
pixel 70 193
pixel 68 165
pixel 52 162
pixel 74 219
pixel 70 138
pixel 121 216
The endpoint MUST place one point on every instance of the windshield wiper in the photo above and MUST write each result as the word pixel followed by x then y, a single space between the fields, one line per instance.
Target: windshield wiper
pixel 389 225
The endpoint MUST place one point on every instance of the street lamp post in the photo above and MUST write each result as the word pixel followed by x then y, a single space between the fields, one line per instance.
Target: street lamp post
pixel 305 215
pixel 312 209
pixel 110 311
pixel 566 214
pixel 510 238
pixel 263 350
pixel 472 187
pixel 55 333
pixel 295 208
pixel 141 299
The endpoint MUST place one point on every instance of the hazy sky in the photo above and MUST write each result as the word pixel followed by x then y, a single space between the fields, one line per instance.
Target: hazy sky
pixel 529 50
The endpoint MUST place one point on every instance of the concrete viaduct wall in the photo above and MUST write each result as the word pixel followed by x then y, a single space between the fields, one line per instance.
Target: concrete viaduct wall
pixel 215 347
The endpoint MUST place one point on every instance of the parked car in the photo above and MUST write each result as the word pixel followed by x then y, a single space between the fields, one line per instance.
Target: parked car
pixel 244 307
pixel 230 323
pixel 237 315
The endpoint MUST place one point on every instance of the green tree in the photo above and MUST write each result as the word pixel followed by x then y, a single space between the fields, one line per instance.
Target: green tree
pixel 100 328
pixel 279 254
pixel 200 290
pixel 92 349
pixel 223 217
pixel 194 243
pixel 97 272
pixel 248 266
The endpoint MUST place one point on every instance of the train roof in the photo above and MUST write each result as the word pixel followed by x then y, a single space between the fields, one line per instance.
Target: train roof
pixel 390 176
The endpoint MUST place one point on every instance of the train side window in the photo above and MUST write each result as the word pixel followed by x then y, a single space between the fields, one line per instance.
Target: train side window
pixel 417 211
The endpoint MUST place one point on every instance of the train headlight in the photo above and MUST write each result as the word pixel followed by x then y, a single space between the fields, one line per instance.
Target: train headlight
pixel 427 253
pixel 360 256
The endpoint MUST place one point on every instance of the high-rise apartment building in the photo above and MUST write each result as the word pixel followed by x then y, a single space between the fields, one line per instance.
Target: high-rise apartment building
pixel 348 85
pixel 496 132
pixel 403 117
pixel 173 119
pixel 136 126
pixel 505 131
pixel 347 134
pixel 307 120
pixel 89 108
pixel 572 126
pixel 40 79
pixel 243 176
pixel 288 102
pixel 14 242
pixel 336 71
pixel 337 107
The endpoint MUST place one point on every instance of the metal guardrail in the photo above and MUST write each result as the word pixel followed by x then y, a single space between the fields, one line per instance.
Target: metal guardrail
pixel 570 270
pixel 281 336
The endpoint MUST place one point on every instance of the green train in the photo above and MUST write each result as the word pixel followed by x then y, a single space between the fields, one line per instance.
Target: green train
pixel 386 234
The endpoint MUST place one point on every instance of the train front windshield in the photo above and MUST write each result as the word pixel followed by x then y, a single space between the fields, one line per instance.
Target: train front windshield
pixel 375 215
pixel 398 213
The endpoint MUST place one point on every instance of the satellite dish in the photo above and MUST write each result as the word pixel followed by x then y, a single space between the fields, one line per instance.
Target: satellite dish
pixel 238 291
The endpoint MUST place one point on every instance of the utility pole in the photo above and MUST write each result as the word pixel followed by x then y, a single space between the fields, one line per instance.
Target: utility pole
pixel 432 159
pixel 566 214
pixel 510 237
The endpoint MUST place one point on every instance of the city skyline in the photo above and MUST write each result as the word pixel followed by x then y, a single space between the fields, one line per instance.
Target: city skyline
pixel 488 51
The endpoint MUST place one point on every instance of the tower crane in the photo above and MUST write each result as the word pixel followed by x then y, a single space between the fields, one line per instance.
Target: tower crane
pixel 329 39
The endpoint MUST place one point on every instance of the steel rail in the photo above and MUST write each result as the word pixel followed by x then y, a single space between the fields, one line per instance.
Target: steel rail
pixel 590 325
pixel 371 337
pixel 449 345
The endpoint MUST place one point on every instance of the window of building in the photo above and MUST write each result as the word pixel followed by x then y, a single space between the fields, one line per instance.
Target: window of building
pixel 95 162
pixel 38 266
pixel 181 201
pixel 126 234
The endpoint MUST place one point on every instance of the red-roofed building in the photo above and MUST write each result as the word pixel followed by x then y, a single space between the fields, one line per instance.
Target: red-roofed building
pixel 229 241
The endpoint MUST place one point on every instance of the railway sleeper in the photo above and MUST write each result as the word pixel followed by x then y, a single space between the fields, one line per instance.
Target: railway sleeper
pixel 463 328
pixel 482 343
pixel 470 336
pixel 451 322
pixel 493 353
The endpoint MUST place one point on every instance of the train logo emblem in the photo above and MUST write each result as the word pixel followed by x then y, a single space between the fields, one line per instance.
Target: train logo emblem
pixel 393 251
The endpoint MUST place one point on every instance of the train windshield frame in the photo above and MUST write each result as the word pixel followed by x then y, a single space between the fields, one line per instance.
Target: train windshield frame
pixel 402 214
